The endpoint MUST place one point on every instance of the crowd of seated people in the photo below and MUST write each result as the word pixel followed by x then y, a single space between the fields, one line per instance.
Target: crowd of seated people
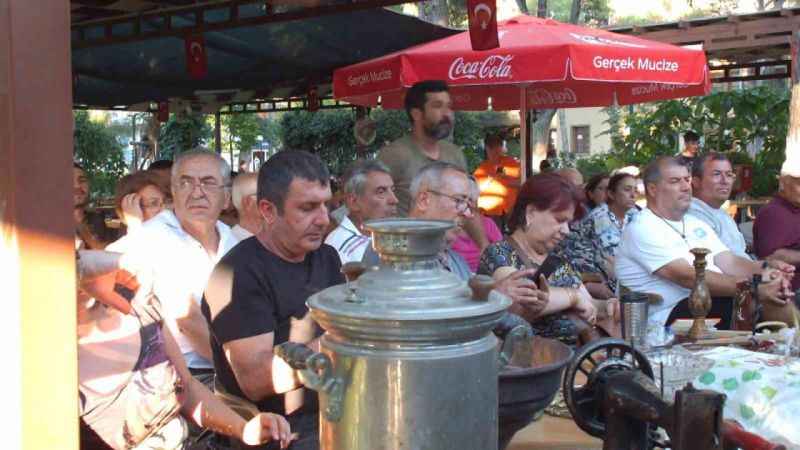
pixel 193 307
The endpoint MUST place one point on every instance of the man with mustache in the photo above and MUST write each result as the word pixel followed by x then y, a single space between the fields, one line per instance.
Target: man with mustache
pixel 441 191
pixel 256 296
pixel 429 109
pixel 712 182
pixel 654 255
pixel 180 248
pixel 368 195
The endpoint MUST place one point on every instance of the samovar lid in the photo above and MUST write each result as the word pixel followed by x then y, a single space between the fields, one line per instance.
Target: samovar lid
pixel 409 285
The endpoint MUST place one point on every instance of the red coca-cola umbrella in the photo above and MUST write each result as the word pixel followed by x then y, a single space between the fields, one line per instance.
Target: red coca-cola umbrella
pixel 541 63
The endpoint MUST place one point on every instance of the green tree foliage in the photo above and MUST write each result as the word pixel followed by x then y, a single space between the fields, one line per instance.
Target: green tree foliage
pixel 99 152
pixel 182 132
pixel 270 130
pixel 594 13
pixel 242 130
pixel 727 122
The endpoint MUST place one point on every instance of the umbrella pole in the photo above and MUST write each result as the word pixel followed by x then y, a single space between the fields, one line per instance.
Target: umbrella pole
pixel 524 154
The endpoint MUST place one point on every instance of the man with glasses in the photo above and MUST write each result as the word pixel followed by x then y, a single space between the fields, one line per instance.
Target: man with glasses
pixel 244 200
pixel 440 191
pixel 430 110
pixel 180 248
pixel 712 183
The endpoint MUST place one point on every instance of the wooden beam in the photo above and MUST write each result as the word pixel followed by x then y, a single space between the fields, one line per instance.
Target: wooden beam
pixel 81 39
pixel 37 247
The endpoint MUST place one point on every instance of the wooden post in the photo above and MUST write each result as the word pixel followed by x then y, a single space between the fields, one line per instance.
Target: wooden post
pixel 792 162
pixel 37 247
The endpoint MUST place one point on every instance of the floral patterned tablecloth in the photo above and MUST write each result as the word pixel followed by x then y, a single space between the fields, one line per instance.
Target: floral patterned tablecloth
pixel 763 391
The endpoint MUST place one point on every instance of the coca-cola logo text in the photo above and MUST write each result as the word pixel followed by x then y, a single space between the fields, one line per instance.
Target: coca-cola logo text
pixel 491 68
pixel 565 96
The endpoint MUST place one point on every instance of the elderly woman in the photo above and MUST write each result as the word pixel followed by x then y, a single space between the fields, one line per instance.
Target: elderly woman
pixel 591 245
pixel 139 197
pixel 546 204
pixel 135 390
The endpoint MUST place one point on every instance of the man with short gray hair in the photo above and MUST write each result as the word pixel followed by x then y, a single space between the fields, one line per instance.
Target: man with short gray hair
pixel 243 196
pixel 439 191
pixel 368 195
pixel 712 183
pixel 180 250
pixel 654 255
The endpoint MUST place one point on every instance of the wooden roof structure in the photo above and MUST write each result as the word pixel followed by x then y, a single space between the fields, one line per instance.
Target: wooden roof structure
pixel 740 47
pixel 262 55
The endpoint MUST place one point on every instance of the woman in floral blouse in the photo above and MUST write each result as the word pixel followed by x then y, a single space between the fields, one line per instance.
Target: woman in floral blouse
pixel 591 245
pixel 539 222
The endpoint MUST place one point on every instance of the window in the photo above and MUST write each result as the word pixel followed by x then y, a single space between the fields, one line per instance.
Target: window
pixel 580 140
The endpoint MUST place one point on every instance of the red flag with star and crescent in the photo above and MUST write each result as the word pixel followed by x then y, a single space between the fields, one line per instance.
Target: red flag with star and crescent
pixel 196 58
pixel 483 24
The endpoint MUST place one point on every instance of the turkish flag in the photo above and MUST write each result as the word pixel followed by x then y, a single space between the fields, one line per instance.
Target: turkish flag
pixel 163 111
pixel 483 24
pixel 196 58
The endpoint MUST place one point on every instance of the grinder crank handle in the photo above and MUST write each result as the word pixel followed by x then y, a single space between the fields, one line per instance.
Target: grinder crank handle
pixel 734 436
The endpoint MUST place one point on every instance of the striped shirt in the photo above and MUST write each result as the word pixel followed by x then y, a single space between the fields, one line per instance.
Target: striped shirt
pixel 348 241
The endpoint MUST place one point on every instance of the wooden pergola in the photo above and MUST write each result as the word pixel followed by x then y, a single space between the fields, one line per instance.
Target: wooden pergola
pixel 740 47
pixel 37 249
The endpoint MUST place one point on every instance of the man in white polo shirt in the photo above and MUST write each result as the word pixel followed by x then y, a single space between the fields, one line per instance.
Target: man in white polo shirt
pixel 368 194
pixel 654 255
pixel 179 250
pixel 712 183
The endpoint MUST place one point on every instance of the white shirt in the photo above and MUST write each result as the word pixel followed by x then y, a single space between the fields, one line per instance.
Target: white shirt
pixel 722 224
pixel 348 241
pixel 240 232
pixel 180 268
pixel 648 244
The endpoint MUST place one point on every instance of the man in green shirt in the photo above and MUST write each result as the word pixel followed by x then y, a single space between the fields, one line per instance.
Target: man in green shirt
pixel 429 109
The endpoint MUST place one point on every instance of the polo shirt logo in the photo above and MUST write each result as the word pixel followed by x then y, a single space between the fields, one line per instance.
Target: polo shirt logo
pixel 700 233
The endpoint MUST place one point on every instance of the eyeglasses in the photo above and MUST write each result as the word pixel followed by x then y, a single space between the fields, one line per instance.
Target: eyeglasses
pixel 462 204
pixel 207 186
pixel 151 203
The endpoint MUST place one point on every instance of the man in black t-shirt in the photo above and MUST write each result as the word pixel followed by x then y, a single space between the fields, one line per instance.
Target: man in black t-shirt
pixel 256 295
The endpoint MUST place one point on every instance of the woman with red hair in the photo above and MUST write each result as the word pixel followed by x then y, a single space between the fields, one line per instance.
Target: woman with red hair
pixel 545 206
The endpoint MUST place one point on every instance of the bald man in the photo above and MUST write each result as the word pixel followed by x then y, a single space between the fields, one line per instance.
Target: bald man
pixel 244 200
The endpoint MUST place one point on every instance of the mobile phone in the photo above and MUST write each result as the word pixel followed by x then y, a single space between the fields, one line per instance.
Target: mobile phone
pixel 548 267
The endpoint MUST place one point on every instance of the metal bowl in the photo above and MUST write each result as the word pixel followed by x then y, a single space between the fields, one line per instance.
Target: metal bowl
pixel 526 391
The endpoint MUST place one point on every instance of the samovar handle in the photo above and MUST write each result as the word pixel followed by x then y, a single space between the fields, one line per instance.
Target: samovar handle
pixel 316 372
pixel 516 334
pixel 481 286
